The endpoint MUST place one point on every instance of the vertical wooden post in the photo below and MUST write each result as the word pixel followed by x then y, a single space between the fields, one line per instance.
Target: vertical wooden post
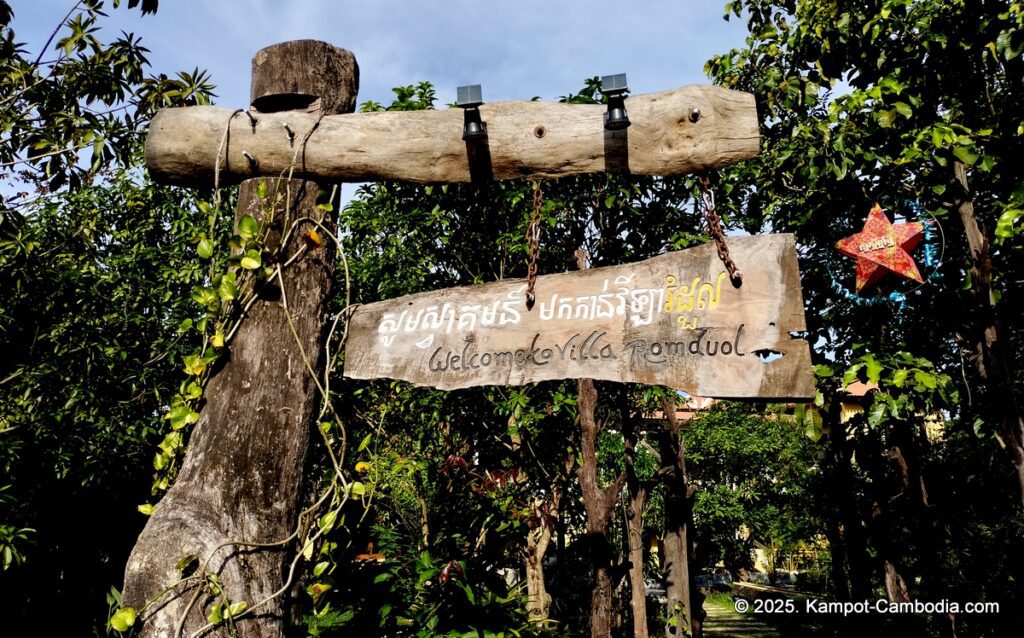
pixel 242 477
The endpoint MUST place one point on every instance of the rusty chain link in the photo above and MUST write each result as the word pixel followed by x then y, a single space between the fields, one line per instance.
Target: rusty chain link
pixel 533 245
pixel 707 201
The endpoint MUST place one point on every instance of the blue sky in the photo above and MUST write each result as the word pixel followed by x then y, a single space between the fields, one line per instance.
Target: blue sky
pixel 515 49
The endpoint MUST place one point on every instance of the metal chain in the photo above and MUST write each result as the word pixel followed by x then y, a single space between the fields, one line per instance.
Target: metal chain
pixel 533 245
pixel 707 200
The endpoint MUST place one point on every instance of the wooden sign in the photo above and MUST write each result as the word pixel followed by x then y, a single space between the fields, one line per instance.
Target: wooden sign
pixel 673 132
pixel 673 320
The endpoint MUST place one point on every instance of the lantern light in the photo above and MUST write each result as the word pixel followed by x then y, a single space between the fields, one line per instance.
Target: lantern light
pixel 469 98
pixel 614 88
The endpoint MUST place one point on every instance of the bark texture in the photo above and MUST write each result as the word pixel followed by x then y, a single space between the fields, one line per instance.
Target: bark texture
pixel 242 475
pixel 600 504
pixel 535 140
pixel 997 387
pixel 538 603
pixel 685 614
pixel 637 491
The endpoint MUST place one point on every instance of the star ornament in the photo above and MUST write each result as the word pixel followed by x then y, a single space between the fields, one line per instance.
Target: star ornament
pixel 883 248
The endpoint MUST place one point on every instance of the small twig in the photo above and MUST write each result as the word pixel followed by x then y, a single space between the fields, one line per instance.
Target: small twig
pixel 166 352
pixel 53 35
pixel 26 160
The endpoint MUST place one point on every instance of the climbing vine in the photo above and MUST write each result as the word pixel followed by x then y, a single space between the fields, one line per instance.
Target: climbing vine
pixel 240 265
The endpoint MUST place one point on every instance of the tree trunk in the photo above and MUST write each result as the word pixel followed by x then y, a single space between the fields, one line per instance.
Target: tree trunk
pixel 242 475
pixel 998 395
pixel 635 524
pixel 599 504
pixel 424 510
pixel 685 615
pixel 538 603
pixel 853 534
pixel 895 586
pixel 837 553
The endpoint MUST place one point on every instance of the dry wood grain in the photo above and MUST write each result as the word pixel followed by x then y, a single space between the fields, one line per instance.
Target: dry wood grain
pixel 607 323
pixel 525 139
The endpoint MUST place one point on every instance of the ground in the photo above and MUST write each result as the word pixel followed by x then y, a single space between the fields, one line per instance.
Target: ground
pixel 724 621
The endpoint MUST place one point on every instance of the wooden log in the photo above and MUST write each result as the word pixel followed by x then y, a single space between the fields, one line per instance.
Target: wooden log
pixel 671 320
pixel 524 139
pixel 242 476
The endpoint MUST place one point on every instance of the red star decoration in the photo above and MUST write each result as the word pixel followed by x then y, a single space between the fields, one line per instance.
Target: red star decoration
pixel 883 248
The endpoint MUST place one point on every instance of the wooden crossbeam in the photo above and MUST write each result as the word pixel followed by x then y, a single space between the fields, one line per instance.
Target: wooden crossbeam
pixel 524 139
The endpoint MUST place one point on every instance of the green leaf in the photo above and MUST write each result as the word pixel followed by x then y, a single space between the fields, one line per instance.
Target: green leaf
pixel 823 371
pixel 252 260
pixel 885 118
pixel 177 416
pixel 1006 225
pixel 216 586
pixel 926 379
pixel 146 508
pixel 327 520
pixel 900 377
pixel 320 568
pixel 812 425
pixel 227 288
pixel 186 562
pixel 236 608
pixel 206 297
pixel 216 614
pixel 248 227
pixel 873 368
pixel 851 374
pixel 194 366
pixel 205 248
pixel 965 155
pixel 877 413
pixel 122 619
pixel 904 109
pixel 365 442
pixel 261 189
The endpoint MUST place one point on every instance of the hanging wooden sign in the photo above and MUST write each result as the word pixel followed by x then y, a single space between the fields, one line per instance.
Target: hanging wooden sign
pixel 673 320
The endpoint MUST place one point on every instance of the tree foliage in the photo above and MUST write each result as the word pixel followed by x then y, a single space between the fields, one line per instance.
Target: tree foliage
pixel 106 278
pixel 97 265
